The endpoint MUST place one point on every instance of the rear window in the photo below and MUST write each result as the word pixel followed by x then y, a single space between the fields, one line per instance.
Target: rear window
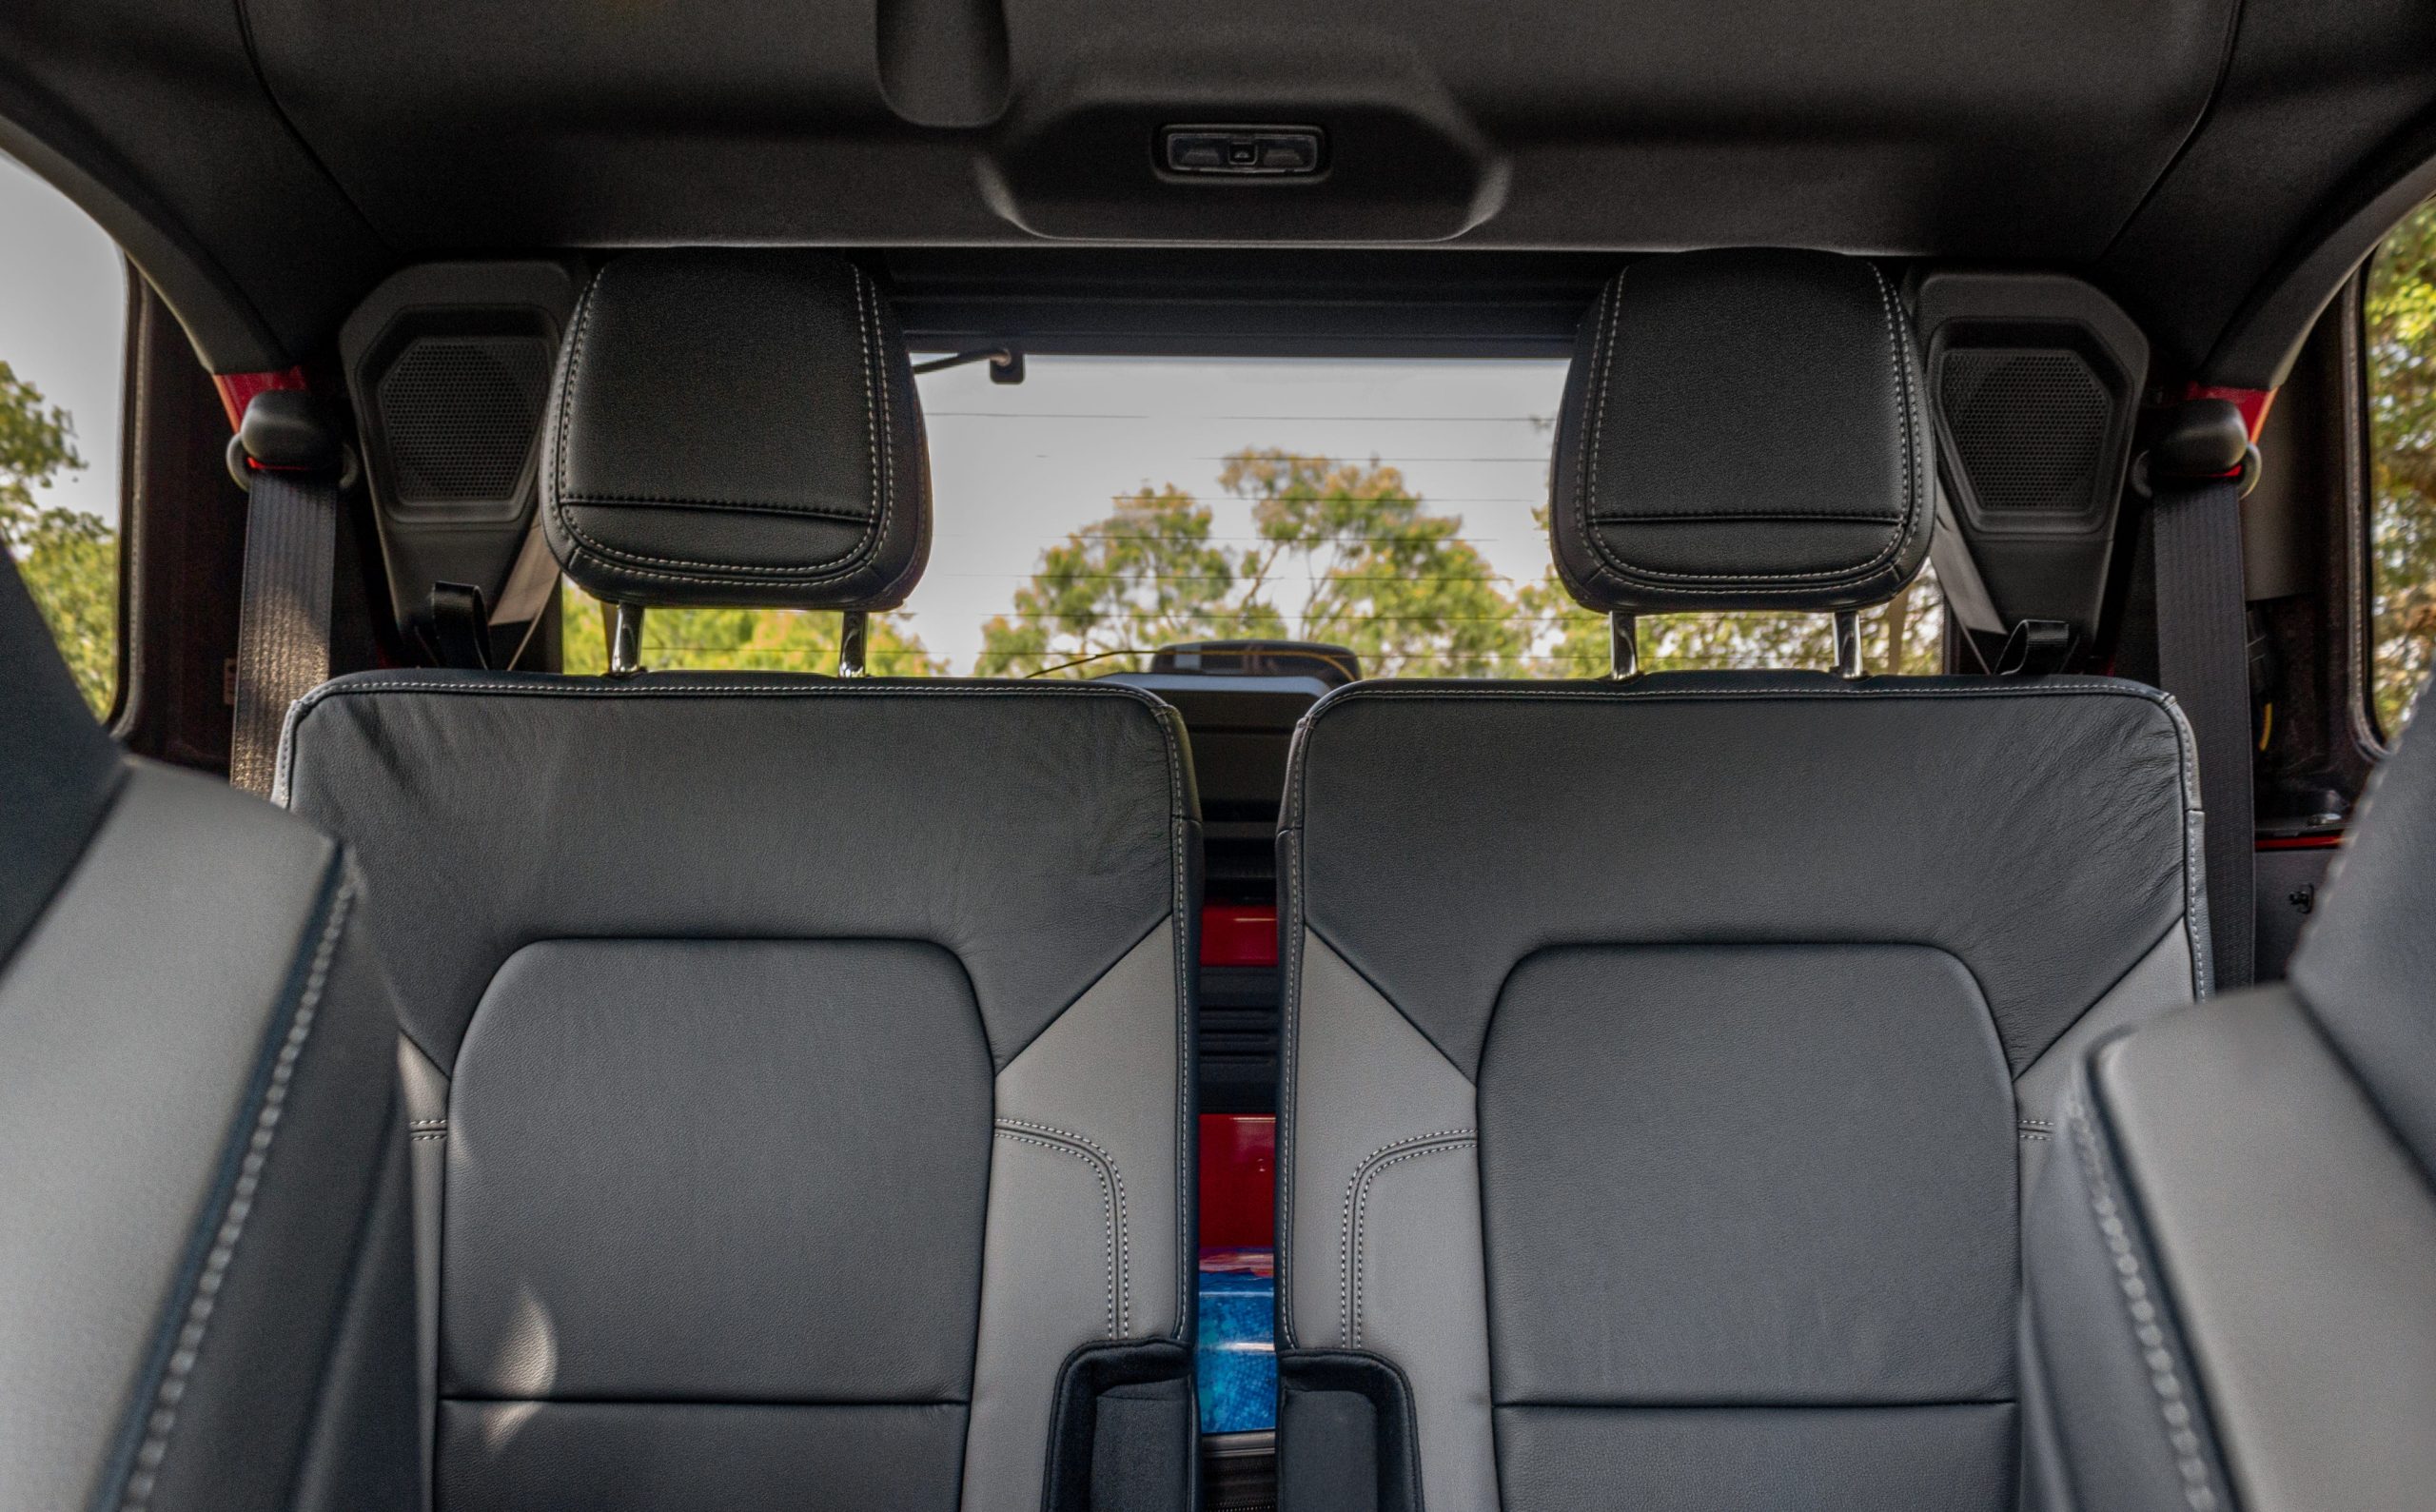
pixel 1107 507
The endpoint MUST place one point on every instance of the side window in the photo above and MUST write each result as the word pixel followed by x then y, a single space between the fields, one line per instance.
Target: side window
pixel 2399 313
pixel 62 342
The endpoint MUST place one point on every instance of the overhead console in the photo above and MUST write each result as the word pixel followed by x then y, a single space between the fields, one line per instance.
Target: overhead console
pixel 1196 136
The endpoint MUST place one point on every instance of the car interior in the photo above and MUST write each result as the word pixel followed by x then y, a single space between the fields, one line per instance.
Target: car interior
pixel 971 754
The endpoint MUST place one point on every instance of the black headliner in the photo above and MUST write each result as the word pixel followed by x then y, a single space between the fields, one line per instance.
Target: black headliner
pixel 2217 166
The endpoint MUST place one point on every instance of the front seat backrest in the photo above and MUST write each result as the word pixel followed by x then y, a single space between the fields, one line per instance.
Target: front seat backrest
pixel 2233 1258
pixel 800 1062
pixel 1659 1053
pixel 203 1257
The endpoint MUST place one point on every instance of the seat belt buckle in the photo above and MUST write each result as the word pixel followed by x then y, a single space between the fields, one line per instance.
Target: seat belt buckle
pixel 285 431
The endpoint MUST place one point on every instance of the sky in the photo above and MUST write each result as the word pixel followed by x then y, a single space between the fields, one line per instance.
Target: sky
pixel 63 322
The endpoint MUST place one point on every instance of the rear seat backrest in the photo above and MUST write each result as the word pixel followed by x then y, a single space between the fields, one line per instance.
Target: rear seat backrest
pixel 802 1062
pixel 1660 1054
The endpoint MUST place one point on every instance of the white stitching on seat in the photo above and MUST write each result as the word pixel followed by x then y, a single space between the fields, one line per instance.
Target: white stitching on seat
pixel 1124 1220
pixel 1586 471
pixel 145 1476
pixel 841 517
pixel 1349 1223
pixel 565 395
pixel 2175 1405
pixel 882 429
pixel 1120 1300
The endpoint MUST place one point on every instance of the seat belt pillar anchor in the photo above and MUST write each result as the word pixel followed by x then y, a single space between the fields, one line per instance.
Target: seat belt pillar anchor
pixel 284 430
pixel 2198 440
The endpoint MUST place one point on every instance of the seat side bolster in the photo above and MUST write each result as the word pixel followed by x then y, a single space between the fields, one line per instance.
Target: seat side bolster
pixel 2163 979
pixel 195 1048
pixel 1087 1218
pixel 2294 1237
pixel 1381 1245
pixel 2120 1397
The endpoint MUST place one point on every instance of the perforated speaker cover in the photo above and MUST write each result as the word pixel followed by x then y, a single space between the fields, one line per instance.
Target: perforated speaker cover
pixel 2031 426
pixel 460 414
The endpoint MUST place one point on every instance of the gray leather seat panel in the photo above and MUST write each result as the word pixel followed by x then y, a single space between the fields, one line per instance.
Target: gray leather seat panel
pixel 117 1118
pixel 1765 1174
pixel 581 1456
pixel 1030 830
pixel 1777 948
pixel 735 1123
pixel 2163 980
pixel 2279 1239
pixel 2366 963
pixel 1746 1459
pixel 1379 1211
pixel 1943 812
pixel 1084 1240
pixel 724 1170
pixel 2304 1268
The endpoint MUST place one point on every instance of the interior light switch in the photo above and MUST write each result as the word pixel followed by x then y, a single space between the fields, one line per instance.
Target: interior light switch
pixel 1273 151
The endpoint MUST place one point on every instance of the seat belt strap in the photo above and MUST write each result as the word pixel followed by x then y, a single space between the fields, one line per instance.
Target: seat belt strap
pixel 291 467
pixel 2197 472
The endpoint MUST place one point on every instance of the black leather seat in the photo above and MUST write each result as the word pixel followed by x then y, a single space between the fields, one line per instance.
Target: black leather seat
pixel 799 1065
pixel 2233 1259
pixel 205 1267
pixel 1661 1055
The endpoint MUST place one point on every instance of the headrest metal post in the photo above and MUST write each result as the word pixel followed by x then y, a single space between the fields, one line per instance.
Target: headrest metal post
pixel 853 640
pixel 1847 644
pixel 1623 647
pixel 626 640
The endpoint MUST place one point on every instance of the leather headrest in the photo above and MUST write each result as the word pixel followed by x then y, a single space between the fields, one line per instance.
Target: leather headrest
pixel 2367 963
pixel 736 427
pixel 1742 430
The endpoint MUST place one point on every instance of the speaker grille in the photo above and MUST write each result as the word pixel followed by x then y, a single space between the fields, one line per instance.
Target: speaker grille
pixel 459 413
pixel 2030 424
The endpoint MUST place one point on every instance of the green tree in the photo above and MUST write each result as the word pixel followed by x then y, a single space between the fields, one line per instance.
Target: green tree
pixel 1375 569
pixel 1147 576
pixel 736 641
pixel 69 559
pixel 2400 321
pixel 1385 576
